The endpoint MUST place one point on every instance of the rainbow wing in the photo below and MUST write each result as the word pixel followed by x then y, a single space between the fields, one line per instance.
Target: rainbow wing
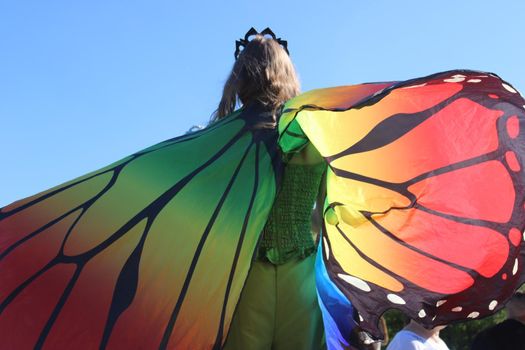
pixel 425 195
pixel 149 252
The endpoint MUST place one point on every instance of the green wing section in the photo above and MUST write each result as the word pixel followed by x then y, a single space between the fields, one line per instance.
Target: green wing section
pixel 151 251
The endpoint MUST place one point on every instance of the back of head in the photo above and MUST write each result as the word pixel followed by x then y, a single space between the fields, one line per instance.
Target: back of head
pixel 263 73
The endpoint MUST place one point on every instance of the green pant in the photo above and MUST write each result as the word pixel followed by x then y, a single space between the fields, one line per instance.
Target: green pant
pixel 278 309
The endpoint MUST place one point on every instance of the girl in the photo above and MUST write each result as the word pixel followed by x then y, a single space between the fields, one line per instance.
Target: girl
pixel 278 306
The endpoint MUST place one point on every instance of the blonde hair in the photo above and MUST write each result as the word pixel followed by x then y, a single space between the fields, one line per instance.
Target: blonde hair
pixel 263 72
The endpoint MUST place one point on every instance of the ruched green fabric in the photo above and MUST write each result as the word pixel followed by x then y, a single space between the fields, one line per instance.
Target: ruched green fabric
pixel 287 233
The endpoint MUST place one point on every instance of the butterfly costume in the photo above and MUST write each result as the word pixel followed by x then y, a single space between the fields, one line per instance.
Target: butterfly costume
pixel 424 213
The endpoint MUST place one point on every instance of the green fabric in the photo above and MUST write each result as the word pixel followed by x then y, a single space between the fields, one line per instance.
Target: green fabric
pixel 172 228
pixel 278 309
pixel 287 233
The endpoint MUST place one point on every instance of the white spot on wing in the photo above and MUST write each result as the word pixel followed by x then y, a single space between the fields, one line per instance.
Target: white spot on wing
pixel 493 305
pixel 457 309
pixel 474 81
pixel 508 88
pixel 440 302
pixel 326 248
pixel 378 92
pixel 422 313
pixel 455 79
pixel 354 281
pixel 473 314
pixel 396 299
pixel 415 86
pixel 515 268
pixel 361 318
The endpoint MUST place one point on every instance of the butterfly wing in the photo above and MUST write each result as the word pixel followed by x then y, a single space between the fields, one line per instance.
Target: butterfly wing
pixel 337 310
pixel 149 252
pixel 425 194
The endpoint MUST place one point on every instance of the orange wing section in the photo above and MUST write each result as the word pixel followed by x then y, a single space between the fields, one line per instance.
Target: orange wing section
pixel 425 193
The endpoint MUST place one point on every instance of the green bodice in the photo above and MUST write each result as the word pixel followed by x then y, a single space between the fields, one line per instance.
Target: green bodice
pixel 287 233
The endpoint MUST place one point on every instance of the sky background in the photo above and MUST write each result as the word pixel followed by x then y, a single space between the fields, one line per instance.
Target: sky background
pixel 85 83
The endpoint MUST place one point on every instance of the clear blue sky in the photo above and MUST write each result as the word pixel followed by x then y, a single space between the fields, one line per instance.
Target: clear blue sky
pixel 84 83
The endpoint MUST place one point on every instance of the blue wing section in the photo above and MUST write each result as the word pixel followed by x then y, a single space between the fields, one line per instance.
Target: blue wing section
pixel 336 308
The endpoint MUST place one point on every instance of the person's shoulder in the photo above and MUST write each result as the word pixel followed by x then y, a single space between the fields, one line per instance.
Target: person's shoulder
pixel 406 340
pixel 309 155
pixel 442 345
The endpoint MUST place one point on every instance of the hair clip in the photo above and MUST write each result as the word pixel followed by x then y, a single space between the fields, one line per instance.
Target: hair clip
pixel 251 32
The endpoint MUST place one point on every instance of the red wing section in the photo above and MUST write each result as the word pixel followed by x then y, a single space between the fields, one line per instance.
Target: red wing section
pixel 426 183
